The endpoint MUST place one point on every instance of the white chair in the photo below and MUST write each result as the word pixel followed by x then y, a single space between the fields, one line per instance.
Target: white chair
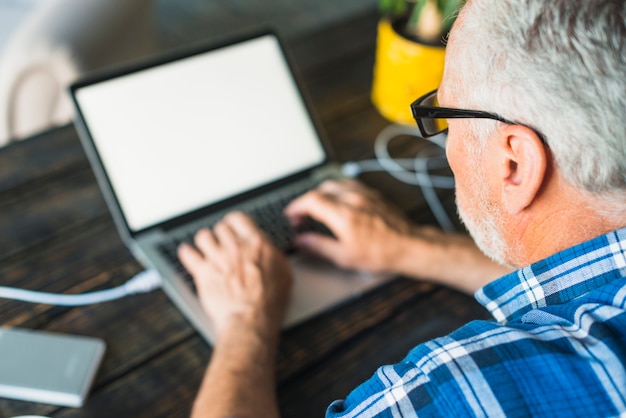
pixel 58 42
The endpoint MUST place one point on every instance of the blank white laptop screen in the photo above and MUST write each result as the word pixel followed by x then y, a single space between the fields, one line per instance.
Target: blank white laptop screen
pixel 179 136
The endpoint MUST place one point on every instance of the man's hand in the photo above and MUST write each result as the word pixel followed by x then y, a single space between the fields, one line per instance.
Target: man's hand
pixel 369 232
pixel 374 236
pixel 242 279
pixel 243 282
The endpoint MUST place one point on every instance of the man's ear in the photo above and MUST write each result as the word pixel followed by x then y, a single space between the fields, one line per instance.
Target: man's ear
pixel 523 161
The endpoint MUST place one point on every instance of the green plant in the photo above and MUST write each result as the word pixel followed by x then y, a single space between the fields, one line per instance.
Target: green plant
pixel 427 20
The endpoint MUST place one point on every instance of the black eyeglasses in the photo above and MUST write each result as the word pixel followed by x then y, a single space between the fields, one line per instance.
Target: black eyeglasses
pixel 431 118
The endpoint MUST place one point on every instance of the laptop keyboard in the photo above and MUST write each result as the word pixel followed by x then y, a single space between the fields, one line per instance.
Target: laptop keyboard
pixel 269 217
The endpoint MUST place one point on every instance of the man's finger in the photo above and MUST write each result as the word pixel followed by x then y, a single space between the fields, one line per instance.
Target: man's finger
pixel 318 206
pixel 225 235
pixel 242 225
pixel 190 258
pixel 205 241
pixel 325 247
pixel 339 188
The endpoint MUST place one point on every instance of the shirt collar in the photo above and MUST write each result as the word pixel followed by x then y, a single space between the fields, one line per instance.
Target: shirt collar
pixel 557 279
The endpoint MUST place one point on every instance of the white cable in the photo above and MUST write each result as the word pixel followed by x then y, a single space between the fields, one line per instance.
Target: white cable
pixel 400 168
pixel 381 150
pixel 143 282
pixel 415 171
pixel 432 199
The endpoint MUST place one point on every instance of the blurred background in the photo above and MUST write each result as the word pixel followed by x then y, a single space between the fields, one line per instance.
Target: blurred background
pixel 47 44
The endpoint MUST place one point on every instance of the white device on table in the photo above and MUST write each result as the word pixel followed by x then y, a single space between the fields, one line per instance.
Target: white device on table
pixel 46 367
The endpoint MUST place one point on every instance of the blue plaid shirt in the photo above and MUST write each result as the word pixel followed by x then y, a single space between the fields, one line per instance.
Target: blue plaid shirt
pixel 557 348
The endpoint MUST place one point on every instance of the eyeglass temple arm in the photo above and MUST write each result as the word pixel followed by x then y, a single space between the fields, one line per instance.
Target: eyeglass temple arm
pixel 448 113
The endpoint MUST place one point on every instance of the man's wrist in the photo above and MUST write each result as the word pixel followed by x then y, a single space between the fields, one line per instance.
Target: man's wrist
pixel 240 379
pixel 415 251
pixel 249 324
pixel 242 349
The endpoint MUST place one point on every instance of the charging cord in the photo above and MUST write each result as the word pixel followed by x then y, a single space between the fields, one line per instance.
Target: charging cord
pixel 414 171
pixel 143 282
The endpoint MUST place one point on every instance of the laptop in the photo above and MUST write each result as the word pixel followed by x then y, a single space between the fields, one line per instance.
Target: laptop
pixel 178 142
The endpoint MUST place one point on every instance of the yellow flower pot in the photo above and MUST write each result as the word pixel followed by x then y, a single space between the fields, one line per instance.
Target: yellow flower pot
pixel 404 70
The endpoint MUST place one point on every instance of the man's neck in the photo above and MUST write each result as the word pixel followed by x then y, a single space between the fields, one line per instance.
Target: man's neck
pixel 562 218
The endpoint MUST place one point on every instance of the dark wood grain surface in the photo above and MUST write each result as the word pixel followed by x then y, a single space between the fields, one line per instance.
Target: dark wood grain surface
pixel 56 235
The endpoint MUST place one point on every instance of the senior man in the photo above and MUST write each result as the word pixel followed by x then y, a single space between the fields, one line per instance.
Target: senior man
pixel 540 167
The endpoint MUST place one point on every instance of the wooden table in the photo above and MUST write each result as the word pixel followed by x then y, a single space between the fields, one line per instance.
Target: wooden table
pixel 56 235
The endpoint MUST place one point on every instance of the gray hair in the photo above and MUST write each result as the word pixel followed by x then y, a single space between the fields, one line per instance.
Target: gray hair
pixel 558 66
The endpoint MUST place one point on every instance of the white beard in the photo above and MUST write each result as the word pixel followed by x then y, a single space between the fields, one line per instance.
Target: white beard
pixel 485 228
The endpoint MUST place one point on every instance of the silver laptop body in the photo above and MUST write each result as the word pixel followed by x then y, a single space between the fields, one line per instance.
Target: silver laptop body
pixel 177 143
